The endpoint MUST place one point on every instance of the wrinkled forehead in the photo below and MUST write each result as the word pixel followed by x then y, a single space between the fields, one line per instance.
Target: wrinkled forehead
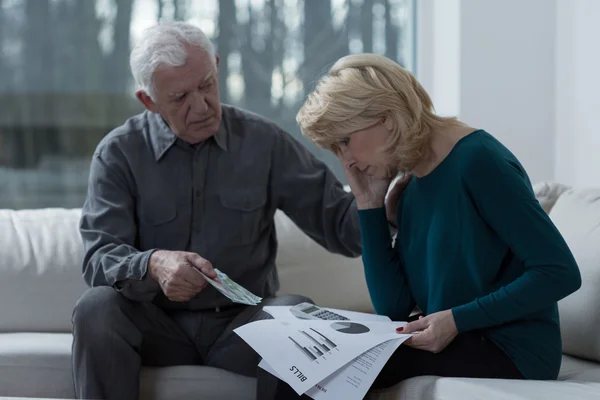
pixel 199 67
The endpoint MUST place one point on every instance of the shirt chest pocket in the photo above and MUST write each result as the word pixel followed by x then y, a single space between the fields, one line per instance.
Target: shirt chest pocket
pixel 243 215
pixel 160 228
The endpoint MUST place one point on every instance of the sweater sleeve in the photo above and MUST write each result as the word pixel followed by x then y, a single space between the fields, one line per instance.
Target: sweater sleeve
pixel 387 284
pixel 502 194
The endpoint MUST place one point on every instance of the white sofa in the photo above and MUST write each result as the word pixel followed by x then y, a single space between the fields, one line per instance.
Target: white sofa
pixel 40 280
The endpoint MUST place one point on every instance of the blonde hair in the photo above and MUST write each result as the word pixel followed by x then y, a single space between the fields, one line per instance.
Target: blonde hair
pixel 361 90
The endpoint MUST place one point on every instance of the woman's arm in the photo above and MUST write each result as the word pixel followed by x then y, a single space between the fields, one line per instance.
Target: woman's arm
pixel 387 284
pixel 501 192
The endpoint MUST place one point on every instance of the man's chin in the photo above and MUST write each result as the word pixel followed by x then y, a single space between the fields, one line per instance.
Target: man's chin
pixel 197 134
pixel 207 124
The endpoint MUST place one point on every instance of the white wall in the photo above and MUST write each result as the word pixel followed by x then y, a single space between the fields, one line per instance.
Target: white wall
pixel 438 53
pixel 507 76
pixel 526 71
pixel 578 92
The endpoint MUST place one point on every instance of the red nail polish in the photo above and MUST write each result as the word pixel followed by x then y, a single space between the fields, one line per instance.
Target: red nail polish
pixel 400 329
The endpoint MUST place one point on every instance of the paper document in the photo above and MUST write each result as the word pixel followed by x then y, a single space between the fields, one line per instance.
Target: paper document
pixel 305 352
pixel 283 312
pixel 353 380
pixel 231 289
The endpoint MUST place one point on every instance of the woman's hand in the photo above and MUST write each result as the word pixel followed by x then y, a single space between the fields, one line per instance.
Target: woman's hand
pixel 438 331
pixel 368 190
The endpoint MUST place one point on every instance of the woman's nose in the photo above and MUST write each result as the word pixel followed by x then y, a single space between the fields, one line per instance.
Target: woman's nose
pixel 345 155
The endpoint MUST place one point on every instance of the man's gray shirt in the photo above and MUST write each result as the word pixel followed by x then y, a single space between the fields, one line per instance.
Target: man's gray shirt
pixel 150 190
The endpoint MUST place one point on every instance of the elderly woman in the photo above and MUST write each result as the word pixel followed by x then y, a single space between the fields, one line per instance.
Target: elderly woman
pixel 474 251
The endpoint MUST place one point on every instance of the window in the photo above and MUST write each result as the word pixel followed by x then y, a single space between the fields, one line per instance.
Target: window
pixel 65 79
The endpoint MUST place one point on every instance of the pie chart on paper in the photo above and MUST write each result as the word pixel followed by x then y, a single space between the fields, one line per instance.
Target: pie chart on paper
pixel 349 327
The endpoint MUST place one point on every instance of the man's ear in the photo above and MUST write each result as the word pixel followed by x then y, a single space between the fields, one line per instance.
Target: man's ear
pixel 147 101
pixel 217 59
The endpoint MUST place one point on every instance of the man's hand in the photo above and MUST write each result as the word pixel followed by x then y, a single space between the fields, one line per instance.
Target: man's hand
pixel 174 271
pixel 391 203
pixel 438 331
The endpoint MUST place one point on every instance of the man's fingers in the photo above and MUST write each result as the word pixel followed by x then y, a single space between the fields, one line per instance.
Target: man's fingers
pixel 396 190
pixel 191 278
pixel 202 264
pixel 188 285
pixel 180 298
pixel 184 277
pixel 400 185
pixel 179 284
pixel 179 295
pixel 198 286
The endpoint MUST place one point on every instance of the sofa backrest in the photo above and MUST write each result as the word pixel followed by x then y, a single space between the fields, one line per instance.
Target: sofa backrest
pixel 577 216
pixel 40 269
pixel 307 268
pixel 41 260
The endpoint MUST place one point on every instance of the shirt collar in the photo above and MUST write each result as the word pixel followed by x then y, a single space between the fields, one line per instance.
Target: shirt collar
pixel 222 137
pixel 163 138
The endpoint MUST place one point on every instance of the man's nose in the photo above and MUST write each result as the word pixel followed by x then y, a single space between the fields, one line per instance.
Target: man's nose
pixel 199 103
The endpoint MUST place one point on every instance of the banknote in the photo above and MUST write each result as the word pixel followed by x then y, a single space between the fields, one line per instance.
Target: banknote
pixel 216 283
pixel 239 291
pixel 231 289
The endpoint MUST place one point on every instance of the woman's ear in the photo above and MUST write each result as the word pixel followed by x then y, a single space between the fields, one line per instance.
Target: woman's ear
pixel 388 123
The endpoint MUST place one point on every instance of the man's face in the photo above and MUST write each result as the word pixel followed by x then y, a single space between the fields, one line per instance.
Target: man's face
pixel 187 97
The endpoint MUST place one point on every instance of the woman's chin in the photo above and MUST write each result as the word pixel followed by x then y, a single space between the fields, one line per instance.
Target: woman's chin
pixel 382 173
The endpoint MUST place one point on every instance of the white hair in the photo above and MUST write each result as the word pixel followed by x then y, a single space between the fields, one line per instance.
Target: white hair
pixel 164 44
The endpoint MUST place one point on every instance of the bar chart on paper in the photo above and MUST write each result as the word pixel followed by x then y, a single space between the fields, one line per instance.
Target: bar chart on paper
pixel 305 352
pixel 313 344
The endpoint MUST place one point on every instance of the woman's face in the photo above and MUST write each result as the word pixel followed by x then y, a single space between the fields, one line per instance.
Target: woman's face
pixel 361 150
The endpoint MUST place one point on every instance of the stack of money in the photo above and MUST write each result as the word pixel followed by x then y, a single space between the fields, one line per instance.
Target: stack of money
pixel 232 290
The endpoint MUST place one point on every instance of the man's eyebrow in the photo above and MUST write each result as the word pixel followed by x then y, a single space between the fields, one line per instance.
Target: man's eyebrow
pixel 208 77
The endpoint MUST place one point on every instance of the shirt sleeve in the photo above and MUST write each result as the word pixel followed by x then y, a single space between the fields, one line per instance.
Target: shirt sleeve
pixel 502 194
pixel 389 291
pixel 310 194
pixel 108 230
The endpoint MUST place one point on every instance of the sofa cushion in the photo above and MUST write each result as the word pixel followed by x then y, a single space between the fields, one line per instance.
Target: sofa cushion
pixel 547 193
pixel 581 380
pixel 41 257
pixel 499 389
pixel 193 383
pixel 577 370
pixel 306 268
pixel 577 216
pixel 45 359
pixel 418 388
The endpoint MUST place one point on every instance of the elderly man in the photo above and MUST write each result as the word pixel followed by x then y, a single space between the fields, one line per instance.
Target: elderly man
pixel 189 184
